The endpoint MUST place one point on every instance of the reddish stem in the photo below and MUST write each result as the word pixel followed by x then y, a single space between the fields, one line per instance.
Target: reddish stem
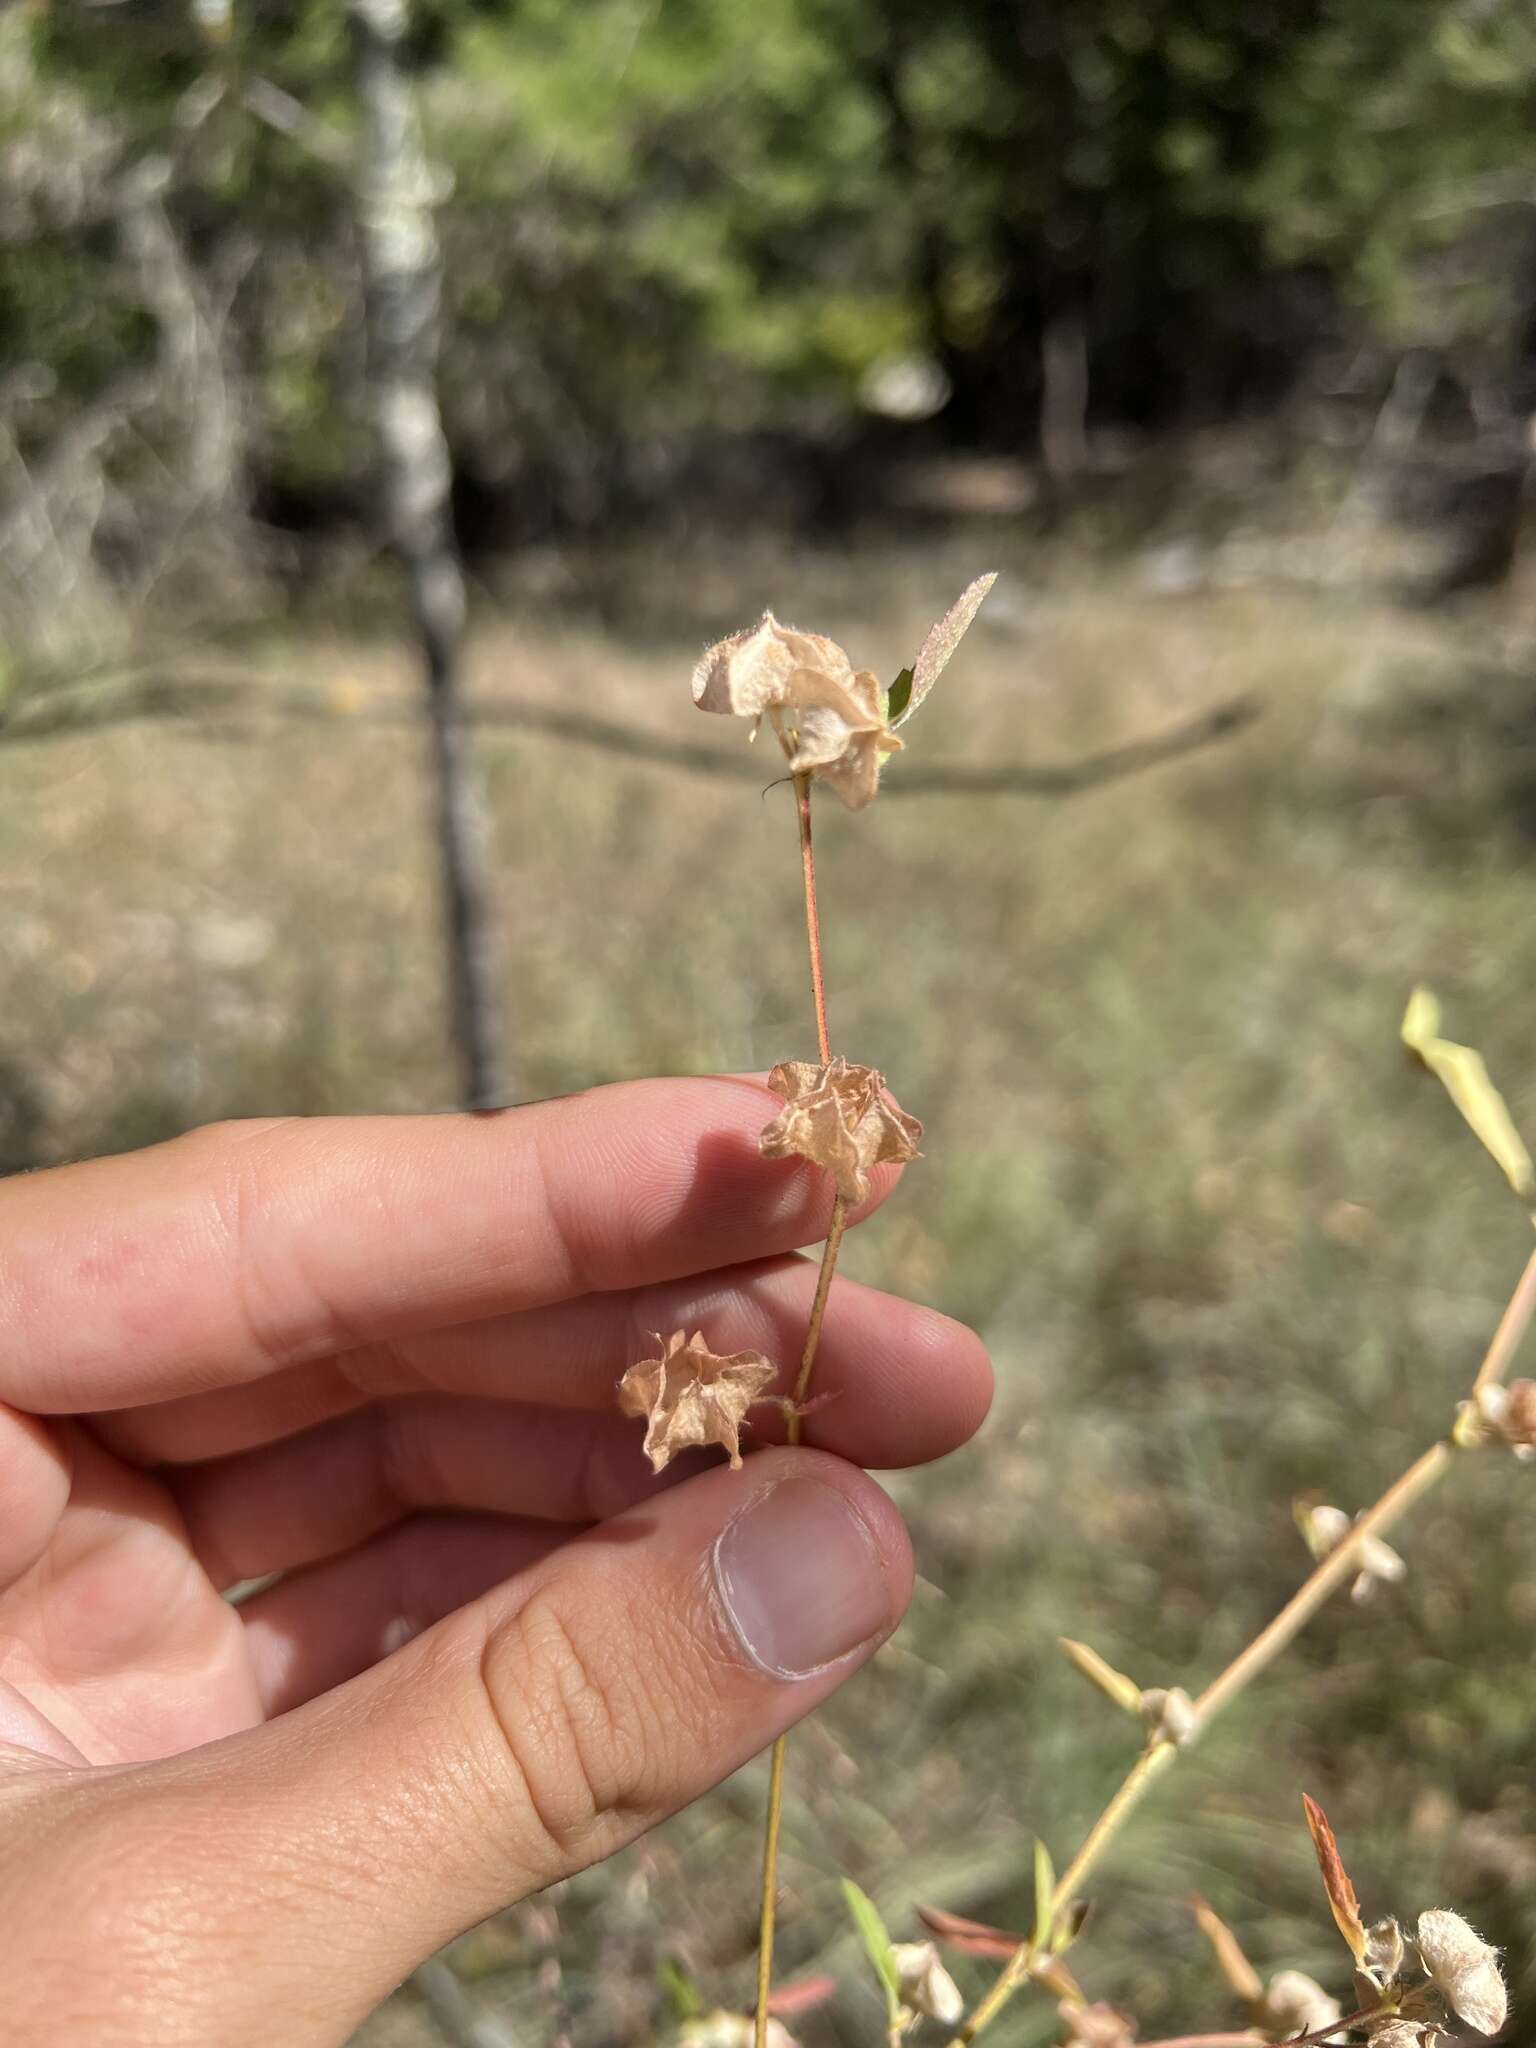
pixel 812 915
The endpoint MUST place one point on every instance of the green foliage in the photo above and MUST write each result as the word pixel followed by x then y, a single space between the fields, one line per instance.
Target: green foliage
pixel 672 223
pixel 877 1944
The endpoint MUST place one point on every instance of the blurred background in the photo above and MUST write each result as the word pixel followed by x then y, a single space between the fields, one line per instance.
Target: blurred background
pixel 393 402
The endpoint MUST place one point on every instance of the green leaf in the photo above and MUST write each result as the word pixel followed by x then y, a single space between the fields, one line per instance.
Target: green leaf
pixel 1045 1889
pixel 684 2000
pixel 877 1943
pixel 898 697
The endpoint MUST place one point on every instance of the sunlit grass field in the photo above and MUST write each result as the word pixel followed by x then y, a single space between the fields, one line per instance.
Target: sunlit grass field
pixel 1226 1247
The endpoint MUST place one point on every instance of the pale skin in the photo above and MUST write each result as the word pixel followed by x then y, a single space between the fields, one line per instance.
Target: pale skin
pixel 379 1356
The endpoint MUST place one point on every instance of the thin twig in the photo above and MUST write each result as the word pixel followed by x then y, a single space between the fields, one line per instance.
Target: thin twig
pixel 812 914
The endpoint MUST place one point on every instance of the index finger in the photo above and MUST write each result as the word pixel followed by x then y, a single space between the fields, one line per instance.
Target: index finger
pixel 247 1248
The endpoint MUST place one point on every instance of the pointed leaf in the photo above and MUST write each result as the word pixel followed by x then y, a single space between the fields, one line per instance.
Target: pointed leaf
pixel 681 1993
pixel 1341 1893
pixel 941 641
pixel 877 1943
pixel 898 697
pixel 1069 1925
pixel 803 1995
pixel 1464 1077
pixel 1045 1890
pixel 1125 1692
pixel 1234 1965
pixel 970 1937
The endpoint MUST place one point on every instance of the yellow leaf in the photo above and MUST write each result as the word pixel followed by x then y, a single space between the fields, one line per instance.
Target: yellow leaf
pixel 1235 1966
pixel 1125 1692
pixel 1464 1077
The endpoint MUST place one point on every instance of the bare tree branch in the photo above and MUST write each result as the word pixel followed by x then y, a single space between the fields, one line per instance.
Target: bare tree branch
pixel 61 711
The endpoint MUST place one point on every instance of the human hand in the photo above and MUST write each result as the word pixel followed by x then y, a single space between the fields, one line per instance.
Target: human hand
pixel 379 1356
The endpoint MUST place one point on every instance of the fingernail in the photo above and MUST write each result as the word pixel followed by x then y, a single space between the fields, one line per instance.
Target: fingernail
pixel 800 1578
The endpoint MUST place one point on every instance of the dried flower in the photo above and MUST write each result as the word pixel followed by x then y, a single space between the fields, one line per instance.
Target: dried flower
pixel 1324 1528
pixel 923 1984
pixel 839 1118
pixel 833 721
pixel 1465 1969
pixel 1095 2026
pixel 1295 2003
pixel 1396 2032
pixel 689 1396
pixel 830 719
pixel 1169 1715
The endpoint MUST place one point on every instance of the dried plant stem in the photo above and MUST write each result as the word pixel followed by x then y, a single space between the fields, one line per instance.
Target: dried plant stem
pixel 812 914
pixel 1352 2019
pixel 1329 1574
pixel 835 1228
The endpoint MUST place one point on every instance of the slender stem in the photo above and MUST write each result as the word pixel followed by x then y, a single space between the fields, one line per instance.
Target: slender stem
pixel 835 1228
pixel 1146 1770
pixel 1340 1563
pixel 1512 1327
pixel 812 915
pixel 770 1891
pixel 1315 1590
pixel 1208 2041
pixel 1148 1766
pixel 1352 2019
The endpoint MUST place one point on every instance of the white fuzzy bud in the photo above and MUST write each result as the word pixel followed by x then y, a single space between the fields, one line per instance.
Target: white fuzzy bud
pixel 924 1984
pixel 1465 1969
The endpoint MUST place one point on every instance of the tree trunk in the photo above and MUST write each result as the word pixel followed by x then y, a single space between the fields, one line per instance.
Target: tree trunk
pixel 398 190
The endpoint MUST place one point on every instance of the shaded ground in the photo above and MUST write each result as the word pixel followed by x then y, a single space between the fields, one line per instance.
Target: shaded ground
pixel 1225 1247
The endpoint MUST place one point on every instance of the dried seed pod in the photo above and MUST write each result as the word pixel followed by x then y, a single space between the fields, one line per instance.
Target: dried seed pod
pixel 1095 2026
pixel 1465 1969
pixel 923 1984
pixel 1295 2003
pixel 839 1117
pixel 1396 2032
pixel 833 721
pixel 689 1396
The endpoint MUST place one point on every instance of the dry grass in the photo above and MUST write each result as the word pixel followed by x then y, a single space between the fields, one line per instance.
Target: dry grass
pixel 1224 1247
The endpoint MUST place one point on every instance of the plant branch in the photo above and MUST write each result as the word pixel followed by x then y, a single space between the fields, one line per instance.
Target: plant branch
pixel 837 1224
pixel 1256 1656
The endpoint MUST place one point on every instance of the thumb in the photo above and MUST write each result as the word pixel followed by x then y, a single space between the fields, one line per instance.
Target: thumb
pixel 292 1875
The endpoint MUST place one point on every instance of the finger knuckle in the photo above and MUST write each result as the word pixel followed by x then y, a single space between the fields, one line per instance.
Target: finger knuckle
pixel 584 1727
